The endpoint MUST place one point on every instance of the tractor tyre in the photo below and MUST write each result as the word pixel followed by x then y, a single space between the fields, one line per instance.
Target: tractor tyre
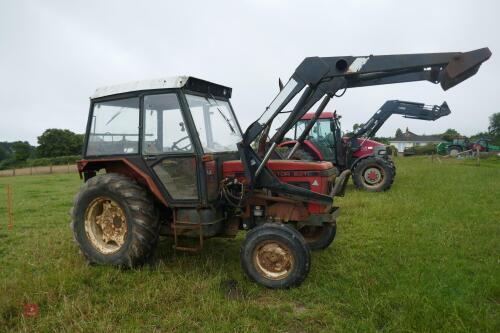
pixel 453 151
pixel 300 154
pixel 319 237
pixel 373 175
pixel 393 166
pixel 115 221
pixel 275 256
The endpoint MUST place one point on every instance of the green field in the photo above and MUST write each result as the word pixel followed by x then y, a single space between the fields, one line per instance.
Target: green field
pixel 424 256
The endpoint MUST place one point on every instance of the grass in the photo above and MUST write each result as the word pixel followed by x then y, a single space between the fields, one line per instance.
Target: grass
pixel 424 256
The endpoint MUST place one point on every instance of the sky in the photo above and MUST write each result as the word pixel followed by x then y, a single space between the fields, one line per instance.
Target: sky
pixel 54 54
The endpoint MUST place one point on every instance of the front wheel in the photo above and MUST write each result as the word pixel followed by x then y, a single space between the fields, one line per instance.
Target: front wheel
pixel 275 256
pixel 373 175
pixel 319 237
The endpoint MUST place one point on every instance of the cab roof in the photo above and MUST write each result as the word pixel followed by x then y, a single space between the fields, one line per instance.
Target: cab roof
pixel 190 82
pixel 324 115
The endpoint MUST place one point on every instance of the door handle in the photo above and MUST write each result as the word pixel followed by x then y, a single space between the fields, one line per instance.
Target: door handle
pixel 150 158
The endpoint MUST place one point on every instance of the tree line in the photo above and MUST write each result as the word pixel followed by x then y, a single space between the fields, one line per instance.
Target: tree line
pixel 53 144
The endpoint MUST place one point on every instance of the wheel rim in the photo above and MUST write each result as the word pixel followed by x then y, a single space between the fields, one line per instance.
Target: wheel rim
pixel 373 175
pixel 273 259
pixel 105 225
pixel 454 152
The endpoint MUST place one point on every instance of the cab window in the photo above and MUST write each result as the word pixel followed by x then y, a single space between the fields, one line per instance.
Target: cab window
pixel 165 130
pixel 114 128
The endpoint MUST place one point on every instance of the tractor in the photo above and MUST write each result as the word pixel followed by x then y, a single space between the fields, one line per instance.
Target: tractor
pixel 168 156
pixel 459 145
pixel 455 147
pixel 370 161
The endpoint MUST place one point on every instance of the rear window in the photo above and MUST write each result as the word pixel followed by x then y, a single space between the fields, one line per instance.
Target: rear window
pixel 115 128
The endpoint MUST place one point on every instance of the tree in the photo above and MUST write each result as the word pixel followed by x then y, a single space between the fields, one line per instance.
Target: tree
pixel 494 127
pixel 356 126
pixel 22 151
pixel 3 154
pixel 450 134
pixel 399 133
pixel 58 142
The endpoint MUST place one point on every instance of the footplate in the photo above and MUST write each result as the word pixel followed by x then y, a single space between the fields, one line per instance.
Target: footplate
pixel 179 226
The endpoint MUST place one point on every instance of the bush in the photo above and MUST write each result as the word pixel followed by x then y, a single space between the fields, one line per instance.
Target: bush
pixel 428 149
pixel 60 160
pixel 44 161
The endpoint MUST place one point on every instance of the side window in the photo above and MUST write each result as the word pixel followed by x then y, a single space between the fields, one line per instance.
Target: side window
pixel 115 128
pixel 164 128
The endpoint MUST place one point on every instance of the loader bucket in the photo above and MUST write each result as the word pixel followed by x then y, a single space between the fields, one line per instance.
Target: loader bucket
pixel 463 66
pixel 443 110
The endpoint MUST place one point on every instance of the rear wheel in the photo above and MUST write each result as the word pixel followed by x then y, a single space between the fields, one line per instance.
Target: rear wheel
pixel 275 256
pixel 114 221
pixel 319 237
pixel 373 175
pixel 300 154
pixel 454 151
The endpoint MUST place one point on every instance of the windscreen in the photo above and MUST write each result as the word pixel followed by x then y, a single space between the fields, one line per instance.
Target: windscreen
pixel 215 123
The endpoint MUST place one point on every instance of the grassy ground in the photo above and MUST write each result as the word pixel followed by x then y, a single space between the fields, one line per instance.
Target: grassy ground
pixel 424 256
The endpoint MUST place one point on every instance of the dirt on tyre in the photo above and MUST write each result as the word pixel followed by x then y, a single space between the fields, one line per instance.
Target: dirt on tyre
pixel 373 175
pixel 275 256
pixel 319 237
pixel 115 221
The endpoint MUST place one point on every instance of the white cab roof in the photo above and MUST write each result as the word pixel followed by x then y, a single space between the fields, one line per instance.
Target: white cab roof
pixel 162 83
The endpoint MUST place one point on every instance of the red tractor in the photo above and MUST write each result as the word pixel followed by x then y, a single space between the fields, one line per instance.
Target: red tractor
pixel 169 155
pixel 370 161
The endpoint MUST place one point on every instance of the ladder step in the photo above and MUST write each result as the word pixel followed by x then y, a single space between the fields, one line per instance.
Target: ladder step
pixel 183 225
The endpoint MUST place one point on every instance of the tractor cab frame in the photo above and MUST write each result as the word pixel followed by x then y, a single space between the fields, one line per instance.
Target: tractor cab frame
pixel 175 127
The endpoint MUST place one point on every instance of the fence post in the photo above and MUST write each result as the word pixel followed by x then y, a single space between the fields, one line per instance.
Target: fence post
pixel 477 153
pixel 31 170
pixel 9 203
pixel 50 170
pixel 14 172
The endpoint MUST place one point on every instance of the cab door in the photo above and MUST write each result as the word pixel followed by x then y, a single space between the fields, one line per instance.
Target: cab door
pixel 167 147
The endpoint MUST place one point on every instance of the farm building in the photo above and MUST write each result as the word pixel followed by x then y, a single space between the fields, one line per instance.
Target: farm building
pixel 409 139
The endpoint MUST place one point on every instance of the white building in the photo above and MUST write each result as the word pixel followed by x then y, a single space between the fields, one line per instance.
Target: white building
pixel 409 139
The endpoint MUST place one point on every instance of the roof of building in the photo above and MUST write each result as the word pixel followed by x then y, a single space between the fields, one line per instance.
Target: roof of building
pixel 408 136
pixel 162 83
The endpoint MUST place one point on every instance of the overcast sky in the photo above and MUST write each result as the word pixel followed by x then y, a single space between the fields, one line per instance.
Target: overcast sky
pixel 54 54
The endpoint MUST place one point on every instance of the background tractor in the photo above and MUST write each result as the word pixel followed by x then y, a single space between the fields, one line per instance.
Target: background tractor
pixel 370 161
pixel 455 147
pixel 169 155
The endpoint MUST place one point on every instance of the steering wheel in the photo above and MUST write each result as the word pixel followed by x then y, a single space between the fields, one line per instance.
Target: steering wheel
pixel 185 148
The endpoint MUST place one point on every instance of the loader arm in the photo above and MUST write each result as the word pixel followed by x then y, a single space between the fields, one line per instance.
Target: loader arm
pixel 406 109
pixel 316 77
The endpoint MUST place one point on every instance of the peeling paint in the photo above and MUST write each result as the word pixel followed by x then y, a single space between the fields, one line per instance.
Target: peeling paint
pixel 357 64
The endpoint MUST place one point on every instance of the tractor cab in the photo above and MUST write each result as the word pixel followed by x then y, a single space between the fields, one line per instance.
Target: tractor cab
pixel 174 129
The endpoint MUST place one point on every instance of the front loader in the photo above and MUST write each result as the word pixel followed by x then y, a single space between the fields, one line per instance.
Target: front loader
pixel 169 155
pixel 369 161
